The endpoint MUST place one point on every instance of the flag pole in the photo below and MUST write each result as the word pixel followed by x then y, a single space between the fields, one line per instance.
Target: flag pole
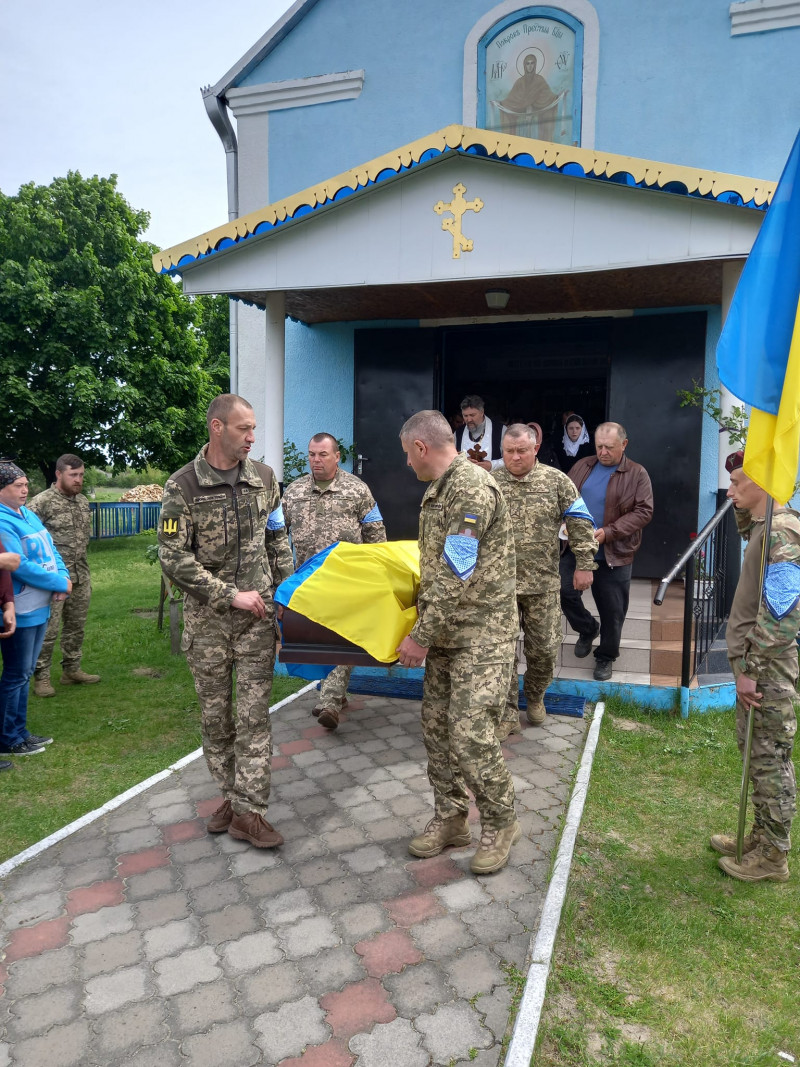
pixel 748 738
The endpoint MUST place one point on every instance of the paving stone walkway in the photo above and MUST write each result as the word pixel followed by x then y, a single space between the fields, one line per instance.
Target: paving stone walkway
pixel 143 941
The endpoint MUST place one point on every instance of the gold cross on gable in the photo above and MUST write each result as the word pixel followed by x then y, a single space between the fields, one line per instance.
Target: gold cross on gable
pixel 457 206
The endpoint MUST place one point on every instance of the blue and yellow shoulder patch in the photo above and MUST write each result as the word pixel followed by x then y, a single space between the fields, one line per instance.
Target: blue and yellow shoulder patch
pixel 461 554
pixel 579 510
pixel 373 515
pixel 276 521
pixel 782 588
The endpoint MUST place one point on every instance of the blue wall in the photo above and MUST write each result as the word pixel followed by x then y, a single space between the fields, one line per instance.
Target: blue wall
pixel 673 85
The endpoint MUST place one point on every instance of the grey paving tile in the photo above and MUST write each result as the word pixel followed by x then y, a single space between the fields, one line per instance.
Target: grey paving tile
pixel 108 992
pixel 87 873
pixel 231 923
pixel 110 954
pixel 216 896
pixel 204 872
pixel 254 859
pixel 302 848
pixel 152 883
pixel 34 909
pixel 100 924
pixel 418 989
pixel 171 938
pixel 269 987
pixel 287 1031
pixel 365 860
pixel 36 1013
pixel 268 883
pixel 344 839
pixel 202 1007
pixel 318 871
pixel 493 922
pixel 307 937
pixel 451 1031
pixel 339 893
pixel 31 883
pixel 165 1054
pixel 135 840
pixel 475 971
pixel 361 921
pixel 126 1029
pixel 494 1007
pixel 62 1046
pixel 178 974
pixel 442 937
pixel 161 909
pixel 289 907
pixel 37 973
pixel 463 895
pixel 250 952
pixel 224 1045
pixel 395 1042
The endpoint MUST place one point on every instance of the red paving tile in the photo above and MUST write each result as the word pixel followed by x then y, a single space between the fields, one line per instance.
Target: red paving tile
pixel 279 762
pixel 291 748
pixel 508 753
pixel 413 908
pixel 331 1054
pixel 357 1007
pixel 204 808
pixel 182 831
pixel 94 897
pixel 438 871
pixel 33 940
pixel 474 816
pixel 514 739
pixel 311 732
pixel 138 862
pixel 388 953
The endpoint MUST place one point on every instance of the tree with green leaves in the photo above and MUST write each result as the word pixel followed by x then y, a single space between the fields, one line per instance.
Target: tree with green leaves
pixel 99 355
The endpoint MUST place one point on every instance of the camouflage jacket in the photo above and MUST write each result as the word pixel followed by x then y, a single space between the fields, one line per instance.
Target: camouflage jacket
pixel 760 633
pixel 216 539
pixel 538 504
pixel 345 511
pixel 69 523
pixel 467 566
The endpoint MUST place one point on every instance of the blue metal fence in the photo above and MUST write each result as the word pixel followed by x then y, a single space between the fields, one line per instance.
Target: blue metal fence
pixel 122 520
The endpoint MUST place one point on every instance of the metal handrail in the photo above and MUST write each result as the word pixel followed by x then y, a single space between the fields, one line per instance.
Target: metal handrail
pixel 691 551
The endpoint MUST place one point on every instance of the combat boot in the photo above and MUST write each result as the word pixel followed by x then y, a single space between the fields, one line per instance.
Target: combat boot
pixel 439 834
pixel 328 717
pixel 535 713
pixel 494 849
pixel 220 819
pixel 726 845
pixel 42 686
pixel 254 828
pixel 505 728
pixel 78 677
pixel 765 863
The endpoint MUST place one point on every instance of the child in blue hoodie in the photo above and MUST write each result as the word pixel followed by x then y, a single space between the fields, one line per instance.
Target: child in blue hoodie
pixel 40 576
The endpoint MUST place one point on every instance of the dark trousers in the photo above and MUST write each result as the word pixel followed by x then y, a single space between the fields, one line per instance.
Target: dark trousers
pixel 610 589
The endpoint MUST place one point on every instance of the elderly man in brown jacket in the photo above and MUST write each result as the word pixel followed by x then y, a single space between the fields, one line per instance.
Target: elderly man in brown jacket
pixel 619 496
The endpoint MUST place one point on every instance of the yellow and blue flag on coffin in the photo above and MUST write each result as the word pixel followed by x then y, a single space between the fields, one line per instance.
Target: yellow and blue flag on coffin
pixel 365 593
pixel 758 354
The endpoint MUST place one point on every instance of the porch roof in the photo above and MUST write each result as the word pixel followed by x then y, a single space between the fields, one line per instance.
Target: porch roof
pixel 518 152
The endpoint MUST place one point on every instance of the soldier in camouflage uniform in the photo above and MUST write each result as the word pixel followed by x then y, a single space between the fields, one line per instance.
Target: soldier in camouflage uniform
pixel 762 651
pixel 323 507
pixel 465 632
pixel 64 510
pixel 222 540
pixel 540 499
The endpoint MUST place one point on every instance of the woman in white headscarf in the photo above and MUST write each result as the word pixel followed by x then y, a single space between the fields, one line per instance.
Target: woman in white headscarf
pixel 575 443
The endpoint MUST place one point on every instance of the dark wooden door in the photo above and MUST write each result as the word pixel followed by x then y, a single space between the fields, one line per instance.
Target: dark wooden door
pixel 395 376
pixel 653 356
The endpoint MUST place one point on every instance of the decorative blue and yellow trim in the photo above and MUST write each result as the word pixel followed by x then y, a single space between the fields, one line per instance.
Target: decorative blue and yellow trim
pixel 461 140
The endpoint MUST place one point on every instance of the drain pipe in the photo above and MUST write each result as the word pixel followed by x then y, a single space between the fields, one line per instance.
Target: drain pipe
pixel 217 111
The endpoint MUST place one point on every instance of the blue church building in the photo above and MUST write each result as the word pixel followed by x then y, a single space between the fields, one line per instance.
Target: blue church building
pixel 548 205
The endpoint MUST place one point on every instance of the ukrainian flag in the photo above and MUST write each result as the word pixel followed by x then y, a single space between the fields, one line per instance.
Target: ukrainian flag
pixel 365 593
pixel 758 355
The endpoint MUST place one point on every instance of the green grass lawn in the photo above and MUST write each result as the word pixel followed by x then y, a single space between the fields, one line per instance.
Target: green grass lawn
pixel 139 719
pixel 661 958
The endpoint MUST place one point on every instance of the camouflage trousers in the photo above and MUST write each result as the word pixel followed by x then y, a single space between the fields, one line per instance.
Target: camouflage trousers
pixel 333 689
pixel 462 698
pixel 540 619
pixel 772 775
pixel 238 748
pixel 72 612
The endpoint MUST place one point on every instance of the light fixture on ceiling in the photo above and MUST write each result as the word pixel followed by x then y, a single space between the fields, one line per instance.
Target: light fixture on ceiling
pixel 497 299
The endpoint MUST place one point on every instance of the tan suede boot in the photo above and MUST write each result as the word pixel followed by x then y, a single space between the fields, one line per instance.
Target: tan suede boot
pixel 535 713
pixel 764 864
pixel 78 677
pixel 42 686
pixel 726 845
pixel 439 834
pixel 495 848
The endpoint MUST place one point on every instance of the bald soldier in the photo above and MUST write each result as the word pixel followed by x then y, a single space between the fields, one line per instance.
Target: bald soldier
pixel 465 633
pixel 540 499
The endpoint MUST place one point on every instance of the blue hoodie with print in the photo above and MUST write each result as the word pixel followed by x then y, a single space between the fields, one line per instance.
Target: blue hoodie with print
pixel 41 571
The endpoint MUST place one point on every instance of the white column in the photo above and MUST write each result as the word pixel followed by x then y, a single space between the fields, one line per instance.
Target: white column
pixel 731 271
pixel 275 349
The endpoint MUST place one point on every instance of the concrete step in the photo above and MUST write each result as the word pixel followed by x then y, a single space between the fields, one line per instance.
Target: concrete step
pixel 633 656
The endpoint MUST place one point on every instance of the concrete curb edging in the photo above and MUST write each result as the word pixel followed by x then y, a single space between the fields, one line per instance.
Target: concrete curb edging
pixel 115 802
pixel 526 1027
